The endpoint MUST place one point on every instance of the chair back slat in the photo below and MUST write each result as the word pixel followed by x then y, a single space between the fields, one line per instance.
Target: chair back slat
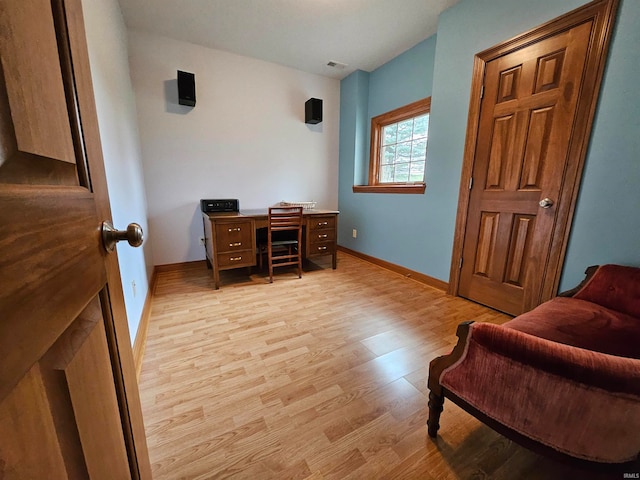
pixel 285 218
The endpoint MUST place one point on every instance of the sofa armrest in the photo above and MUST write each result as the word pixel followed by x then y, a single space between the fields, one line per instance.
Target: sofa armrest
pixel 439 364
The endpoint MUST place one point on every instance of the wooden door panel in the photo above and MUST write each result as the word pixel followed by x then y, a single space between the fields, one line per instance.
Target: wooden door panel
pixel 94 403
pixel 549 71
pixel 540 121
pixel 21 167
pixel 508 84
pixel 27 431
pixel 522 229
pixel 34 81
pixel 500 152
pixel 486 244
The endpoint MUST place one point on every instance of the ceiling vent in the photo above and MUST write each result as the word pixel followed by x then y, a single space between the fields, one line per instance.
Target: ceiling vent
pixel 338 65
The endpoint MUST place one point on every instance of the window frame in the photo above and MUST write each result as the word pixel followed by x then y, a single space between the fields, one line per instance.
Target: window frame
pixel 405 112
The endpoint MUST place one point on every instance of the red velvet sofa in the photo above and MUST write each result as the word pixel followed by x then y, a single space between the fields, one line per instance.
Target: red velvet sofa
pixel 562 379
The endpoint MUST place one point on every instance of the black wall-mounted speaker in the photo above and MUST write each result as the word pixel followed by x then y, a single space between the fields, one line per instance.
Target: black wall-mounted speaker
pixel 186 88
pixel 313 110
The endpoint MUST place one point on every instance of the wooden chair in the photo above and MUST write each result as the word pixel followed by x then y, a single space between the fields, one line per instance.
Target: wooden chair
pixel 284 239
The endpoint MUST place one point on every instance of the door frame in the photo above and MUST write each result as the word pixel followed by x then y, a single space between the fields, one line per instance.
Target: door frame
pixel 603 13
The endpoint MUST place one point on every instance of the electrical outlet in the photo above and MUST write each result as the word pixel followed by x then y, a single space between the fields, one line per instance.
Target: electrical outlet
pixel 354 234
pixel 201 240
pixel 133 287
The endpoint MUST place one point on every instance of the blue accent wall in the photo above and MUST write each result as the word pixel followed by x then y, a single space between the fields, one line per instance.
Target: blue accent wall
pixel 385 224
pixel 416 231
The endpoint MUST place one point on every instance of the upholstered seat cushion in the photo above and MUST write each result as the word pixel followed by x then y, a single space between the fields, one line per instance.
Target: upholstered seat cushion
pixel 582 324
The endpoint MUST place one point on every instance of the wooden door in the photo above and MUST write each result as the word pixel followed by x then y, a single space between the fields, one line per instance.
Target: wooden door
pixel 526 160
pixel 68 405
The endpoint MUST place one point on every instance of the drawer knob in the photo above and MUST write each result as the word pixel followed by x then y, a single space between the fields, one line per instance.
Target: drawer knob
pixel 322 224
pixel 323 236
pixel 235 244
pixel 237 229
pixel 322 248
pixel 235 259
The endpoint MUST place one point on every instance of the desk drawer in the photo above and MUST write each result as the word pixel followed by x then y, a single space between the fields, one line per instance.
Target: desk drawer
pixel 234 236
pixel 321 248
pixel 317 223
pixel 322 236
pixel 243 258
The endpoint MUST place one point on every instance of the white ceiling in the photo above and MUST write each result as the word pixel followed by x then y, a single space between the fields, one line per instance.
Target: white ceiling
pixel 302 34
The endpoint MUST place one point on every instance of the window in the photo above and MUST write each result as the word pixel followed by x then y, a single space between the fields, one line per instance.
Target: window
pixel 399 150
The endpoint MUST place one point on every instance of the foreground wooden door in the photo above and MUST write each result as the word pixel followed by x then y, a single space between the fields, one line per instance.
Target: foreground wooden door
pixel 68 407
pixel 531 138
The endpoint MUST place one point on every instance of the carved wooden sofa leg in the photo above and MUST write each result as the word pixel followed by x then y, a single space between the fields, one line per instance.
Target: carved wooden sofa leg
pixel 436 403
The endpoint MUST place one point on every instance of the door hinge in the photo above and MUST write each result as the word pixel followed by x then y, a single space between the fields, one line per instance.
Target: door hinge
pixel 470 183
pixel 482 92
pixel 460 263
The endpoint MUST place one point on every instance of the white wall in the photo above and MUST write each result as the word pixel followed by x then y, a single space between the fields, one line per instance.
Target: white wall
pixel 245 138
pixel 115 104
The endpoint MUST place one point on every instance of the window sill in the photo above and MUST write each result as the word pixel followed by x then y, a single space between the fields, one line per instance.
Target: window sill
pixel 416 188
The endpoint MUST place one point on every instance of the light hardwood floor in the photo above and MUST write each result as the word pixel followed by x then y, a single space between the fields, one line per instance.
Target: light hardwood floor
pixel 322 377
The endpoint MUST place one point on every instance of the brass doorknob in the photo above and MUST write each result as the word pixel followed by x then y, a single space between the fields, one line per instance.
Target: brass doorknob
pixel 546 203
pixel 110 236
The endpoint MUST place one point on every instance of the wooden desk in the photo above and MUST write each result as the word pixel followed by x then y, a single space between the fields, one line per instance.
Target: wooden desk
pixel 230 238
